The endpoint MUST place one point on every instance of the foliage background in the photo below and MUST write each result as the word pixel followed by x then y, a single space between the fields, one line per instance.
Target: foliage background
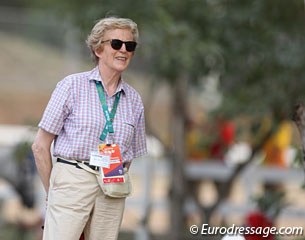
pixel 255 46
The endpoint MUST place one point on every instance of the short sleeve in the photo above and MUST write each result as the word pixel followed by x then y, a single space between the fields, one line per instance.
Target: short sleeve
pixel 58 108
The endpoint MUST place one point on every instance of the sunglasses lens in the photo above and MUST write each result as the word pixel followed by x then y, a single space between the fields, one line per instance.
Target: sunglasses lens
pixel 130 46
pixel 116 44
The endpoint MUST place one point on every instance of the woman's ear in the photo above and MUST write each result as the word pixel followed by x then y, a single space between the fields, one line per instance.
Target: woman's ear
pixel 98 51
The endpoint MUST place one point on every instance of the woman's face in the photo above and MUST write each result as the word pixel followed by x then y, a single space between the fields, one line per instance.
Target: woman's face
pixel 115 60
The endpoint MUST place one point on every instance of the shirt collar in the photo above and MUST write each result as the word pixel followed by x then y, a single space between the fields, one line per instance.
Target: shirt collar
pixel 94 75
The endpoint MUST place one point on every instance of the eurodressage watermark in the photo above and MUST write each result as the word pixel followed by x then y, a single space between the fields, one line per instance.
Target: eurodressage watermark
pixel 206 230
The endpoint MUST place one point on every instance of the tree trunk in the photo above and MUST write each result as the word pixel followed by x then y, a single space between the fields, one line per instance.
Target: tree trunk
pixel 178 157
pixel 299 118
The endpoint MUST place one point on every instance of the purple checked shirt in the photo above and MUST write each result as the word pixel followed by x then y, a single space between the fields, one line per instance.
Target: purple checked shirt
pixel 74 114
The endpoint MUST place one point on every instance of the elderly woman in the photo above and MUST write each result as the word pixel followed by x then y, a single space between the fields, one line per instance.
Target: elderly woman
pixel 86 111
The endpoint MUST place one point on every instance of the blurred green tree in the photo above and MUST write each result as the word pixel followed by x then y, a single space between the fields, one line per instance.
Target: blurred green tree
pixel 13 3
pixel 255 46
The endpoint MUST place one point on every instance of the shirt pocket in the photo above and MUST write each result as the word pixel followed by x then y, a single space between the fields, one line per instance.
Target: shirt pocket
pixel 125 133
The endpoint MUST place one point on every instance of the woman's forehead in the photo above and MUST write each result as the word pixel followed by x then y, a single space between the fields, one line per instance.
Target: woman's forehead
pixel 119 33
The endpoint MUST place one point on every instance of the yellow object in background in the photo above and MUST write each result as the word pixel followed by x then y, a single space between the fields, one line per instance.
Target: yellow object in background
pixel 276 147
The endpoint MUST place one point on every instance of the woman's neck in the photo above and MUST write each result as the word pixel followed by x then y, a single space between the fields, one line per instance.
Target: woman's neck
pixel 110 80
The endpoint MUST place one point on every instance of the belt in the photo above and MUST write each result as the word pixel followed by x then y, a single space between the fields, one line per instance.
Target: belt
pixel 96 168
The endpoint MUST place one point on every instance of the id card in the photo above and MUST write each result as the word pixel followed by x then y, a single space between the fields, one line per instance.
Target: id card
pixel 115 171
pixel 100 160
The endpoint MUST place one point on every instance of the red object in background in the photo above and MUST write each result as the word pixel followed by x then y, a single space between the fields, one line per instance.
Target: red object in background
pixel 227 132
pixel 82 237
pixel 258 219
pixel 217 151
pixel 226 136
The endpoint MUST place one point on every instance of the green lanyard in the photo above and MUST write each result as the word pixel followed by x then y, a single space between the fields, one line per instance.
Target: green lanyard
pixel 109 116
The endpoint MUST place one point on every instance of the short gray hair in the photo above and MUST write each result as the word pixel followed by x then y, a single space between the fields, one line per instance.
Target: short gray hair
pixel 110 23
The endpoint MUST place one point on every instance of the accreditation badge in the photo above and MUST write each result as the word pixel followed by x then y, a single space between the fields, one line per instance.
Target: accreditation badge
pixel 115 171
pixel 96 159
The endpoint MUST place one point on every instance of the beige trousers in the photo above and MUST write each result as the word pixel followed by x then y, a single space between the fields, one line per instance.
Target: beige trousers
pixel 76 204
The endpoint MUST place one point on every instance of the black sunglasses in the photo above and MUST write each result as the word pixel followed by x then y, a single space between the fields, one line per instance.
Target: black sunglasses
pixel 116 44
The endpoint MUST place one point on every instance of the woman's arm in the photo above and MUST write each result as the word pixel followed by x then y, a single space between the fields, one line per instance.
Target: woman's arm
pixel 42 154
